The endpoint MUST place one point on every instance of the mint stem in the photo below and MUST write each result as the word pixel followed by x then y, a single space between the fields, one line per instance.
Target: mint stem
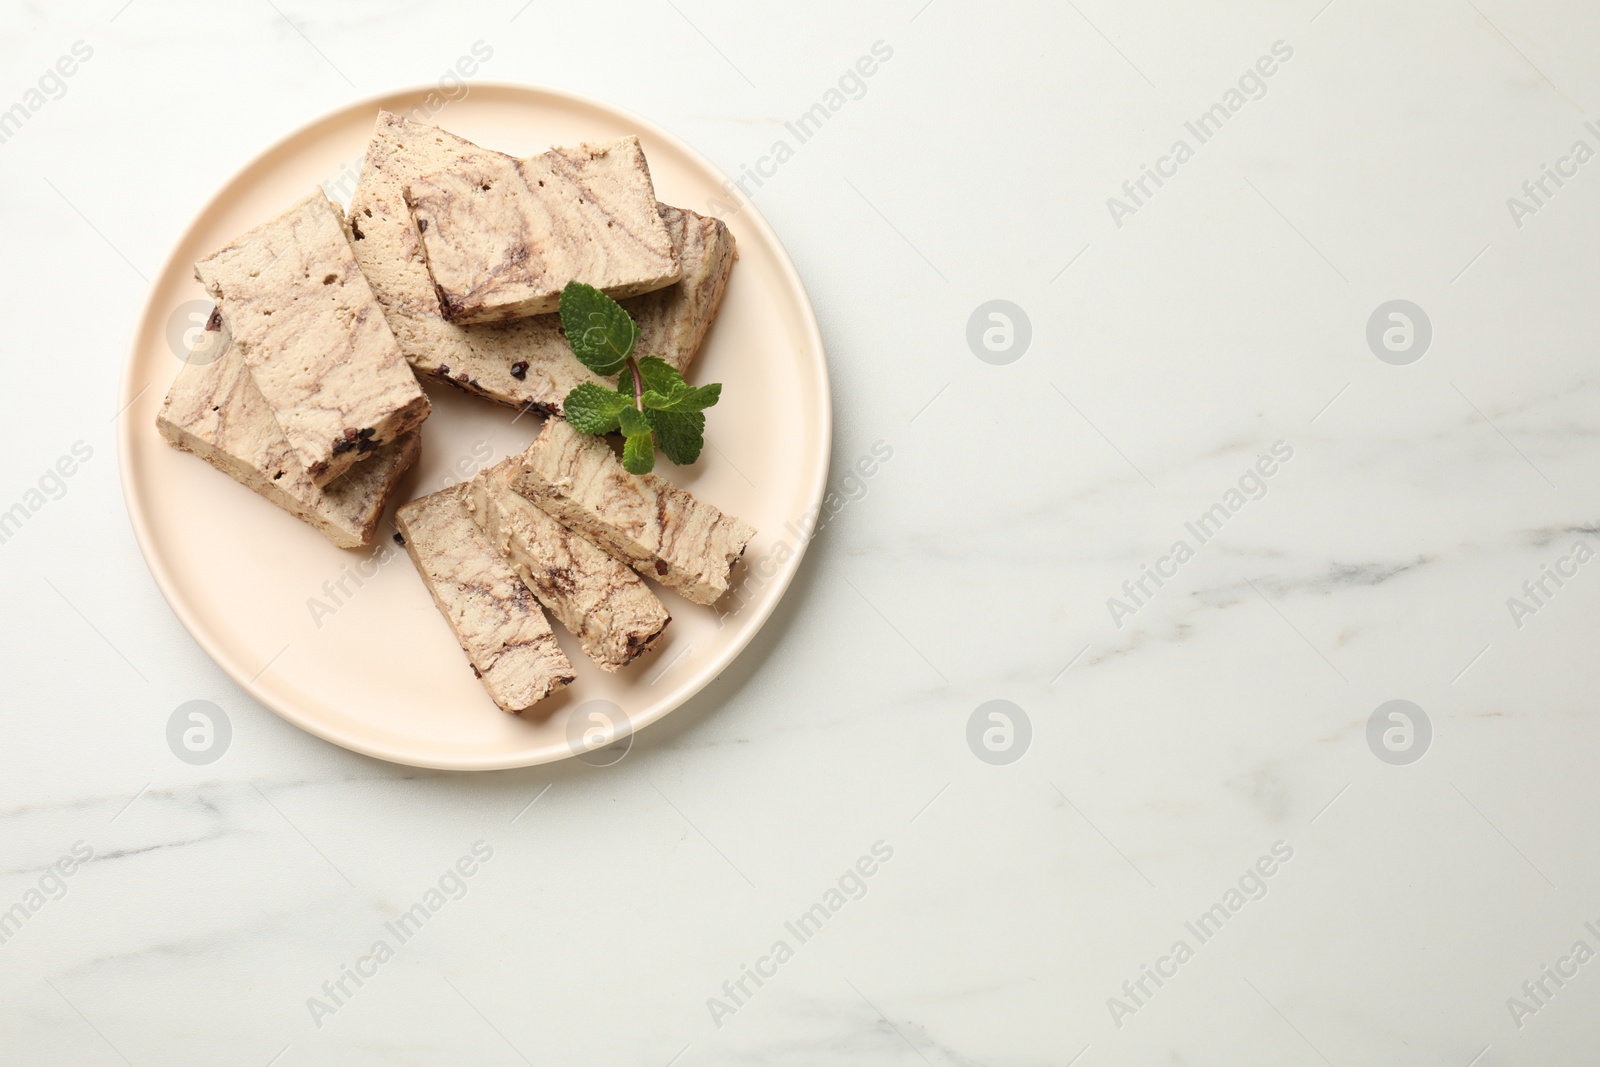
pixel 638 385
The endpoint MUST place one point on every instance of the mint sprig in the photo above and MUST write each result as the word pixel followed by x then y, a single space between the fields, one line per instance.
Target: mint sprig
pixel 651 405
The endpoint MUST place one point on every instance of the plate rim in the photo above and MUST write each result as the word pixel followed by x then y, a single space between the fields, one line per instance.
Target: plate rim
pixel 285 709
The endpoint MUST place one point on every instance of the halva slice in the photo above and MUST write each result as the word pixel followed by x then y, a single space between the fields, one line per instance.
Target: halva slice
pixel 656 527
pixel 597 598
pixel 496 620
pixel 503 236
pixel 215 411
pixel 526 364
pixel 305 321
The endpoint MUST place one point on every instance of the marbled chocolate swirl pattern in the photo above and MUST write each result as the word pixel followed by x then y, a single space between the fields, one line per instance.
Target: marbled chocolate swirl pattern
pixel 656 527
pixel 503 236
pixel 312 334
pixel 496 620
pixel 528 363
pixel 215 411
pixel 596 597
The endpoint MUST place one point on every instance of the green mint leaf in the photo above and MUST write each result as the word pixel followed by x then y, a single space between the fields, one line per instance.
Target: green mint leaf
pixel 601 333
pixel 594 409
pixel 665 389
pixel 685 398
pixel 659 375
pixel 639 453
pixel 632 422
pixel 681 435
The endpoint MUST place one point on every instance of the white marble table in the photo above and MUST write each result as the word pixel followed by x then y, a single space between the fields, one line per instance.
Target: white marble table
pixel 1204 854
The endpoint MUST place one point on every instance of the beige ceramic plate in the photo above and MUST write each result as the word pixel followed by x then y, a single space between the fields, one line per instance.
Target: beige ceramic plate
pixel 347 644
